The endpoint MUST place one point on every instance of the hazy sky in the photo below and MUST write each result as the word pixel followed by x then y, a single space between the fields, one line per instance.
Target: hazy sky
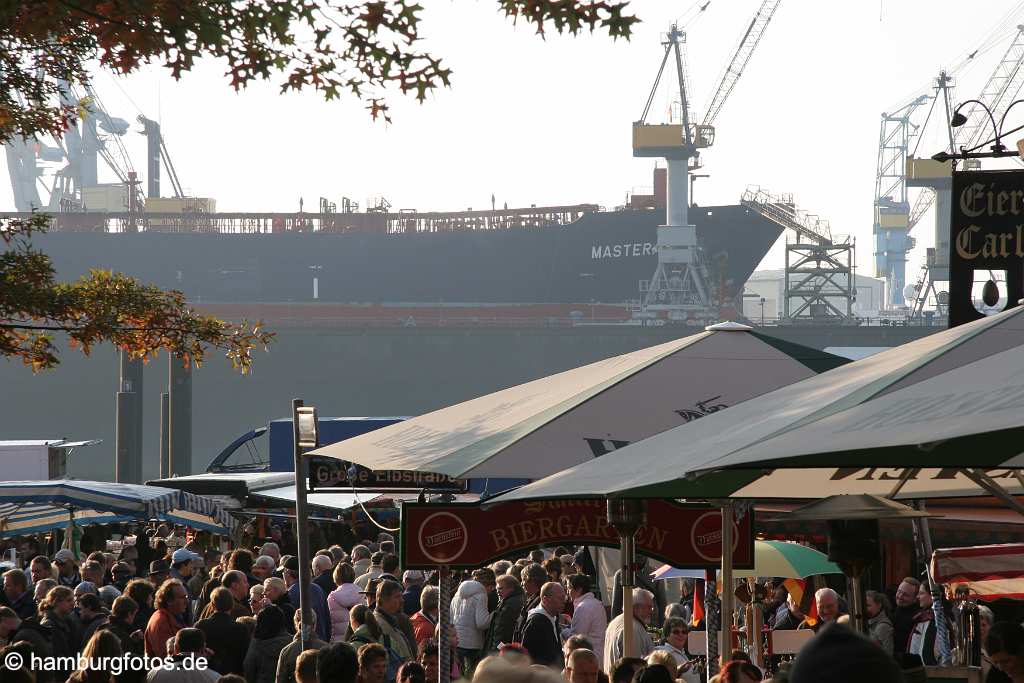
pixel 548 122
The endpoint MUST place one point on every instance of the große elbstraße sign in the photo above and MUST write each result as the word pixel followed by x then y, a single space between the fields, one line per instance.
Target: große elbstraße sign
pixel 326 473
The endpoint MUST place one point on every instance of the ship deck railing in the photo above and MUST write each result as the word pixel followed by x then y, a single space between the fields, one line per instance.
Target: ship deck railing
pixel 403 222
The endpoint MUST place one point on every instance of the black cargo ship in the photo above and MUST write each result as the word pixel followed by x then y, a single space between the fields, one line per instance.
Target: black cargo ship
pixel 576 257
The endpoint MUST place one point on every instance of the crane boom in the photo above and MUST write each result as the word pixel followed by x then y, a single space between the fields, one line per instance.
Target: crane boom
pixel 740 59
pixel 999 92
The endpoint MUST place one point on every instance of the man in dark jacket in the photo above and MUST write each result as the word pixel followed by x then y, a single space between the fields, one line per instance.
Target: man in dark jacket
pixel 540 635
pixel 16 594
pixel 903 616
pixel 533 577
pixel 511 599
pixel 228 639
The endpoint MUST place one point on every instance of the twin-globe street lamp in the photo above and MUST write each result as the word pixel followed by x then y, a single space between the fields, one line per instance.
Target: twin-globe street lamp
pixel 990 291
pixel 998 149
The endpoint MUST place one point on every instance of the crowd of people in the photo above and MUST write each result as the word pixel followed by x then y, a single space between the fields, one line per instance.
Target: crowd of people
pixel 194 615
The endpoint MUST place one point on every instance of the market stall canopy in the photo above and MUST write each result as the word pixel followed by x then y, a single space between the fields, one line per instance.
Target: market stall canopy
pixel 229 488
pixel 544 426
pixel 852 506
pixel 940 416
pixel 990 571
pixel 781 559
pixel 28 507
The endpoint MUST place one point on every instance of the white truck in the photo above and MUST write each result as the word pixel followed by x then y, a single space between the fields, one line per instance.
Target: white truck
pixel 37 459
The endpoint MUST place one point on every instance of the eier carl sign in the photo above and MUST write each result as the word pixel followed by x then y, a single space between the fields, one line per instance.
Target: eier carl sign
pixel 466 535
pixel 987 234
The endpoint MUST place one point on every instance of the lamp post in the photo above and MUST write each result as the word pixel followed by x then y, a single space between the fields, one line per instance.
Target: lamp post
pixel 306 436
pixel 627 515
pixel 998 149
pixel 762 311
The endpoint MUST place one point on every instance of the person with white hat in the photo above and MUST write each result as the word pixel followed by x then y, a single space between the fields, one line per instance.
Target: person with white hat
pixel 181 569
pixel 67 568
pixel 412 582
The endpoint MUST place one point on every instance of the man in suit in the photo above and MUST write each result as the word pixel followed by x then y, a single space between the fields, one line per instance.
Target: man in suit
pixel 228 639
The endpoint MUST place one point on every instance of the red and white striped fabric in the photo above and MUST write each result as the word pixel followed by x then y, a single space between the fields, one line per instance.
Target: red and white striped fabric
pixel 990 571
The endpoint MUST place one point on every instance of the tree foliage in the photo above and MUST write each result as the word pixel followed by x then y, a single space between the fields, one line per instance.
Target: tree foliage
pixel 47 47
pixel 101 306
pixel 362 48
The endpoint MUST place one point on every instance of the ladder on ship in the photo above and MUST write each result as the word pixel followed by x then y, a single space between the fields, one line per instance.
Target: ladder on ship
pixel 781 209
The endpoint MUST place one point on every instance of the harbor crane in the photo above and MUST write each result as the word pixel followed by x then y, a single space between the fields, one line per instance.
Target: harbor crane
pixel 95 136
pixel 894 217
pixel 680 284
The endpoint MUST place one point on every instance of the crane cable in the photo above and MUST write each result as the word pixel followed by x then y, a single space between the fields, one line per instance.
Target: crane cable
pixel 993 37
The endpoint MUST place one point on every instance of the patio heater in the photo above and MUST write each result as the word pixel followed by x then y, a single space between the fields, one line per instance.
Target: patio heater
pixel 627 515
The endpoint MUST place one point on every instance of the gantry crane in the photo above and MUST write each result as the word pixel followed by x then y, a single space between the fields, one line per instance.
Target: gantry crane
pixel 96 135
pixel 679 284
pixel 894 217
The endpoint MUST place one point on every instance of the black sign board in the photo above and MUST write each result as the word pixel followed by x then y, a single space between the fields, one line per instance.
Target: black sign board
pixel 335 474
pixel 987 233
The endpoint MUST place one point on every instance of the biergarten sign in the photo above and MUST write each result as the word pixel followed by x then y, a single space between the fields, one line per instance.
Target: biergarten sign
pixel 986 234
pixel 326 473
pixel 468 535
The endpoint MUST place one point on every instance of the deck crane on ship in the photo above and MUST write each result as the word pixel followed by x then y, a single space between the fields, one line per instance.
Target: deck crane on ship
pixel 680 284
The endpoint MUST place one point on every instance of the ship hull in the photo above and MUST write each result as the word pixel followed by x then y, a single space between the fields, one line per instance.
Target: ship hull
pixel 601 257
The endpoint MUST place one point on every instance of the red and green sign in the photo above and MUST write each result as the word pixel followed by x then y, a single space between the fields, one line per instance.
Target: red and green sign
pixel 466 535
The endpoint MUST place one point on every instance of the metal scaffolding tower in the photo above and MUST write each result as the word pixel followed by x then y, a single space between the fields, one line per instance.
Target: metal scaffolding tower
pixel 820 283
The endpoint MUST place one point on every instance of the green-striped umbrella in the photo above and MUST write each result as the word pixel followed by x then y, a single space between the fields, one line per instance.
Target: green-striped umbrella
pixel 781 559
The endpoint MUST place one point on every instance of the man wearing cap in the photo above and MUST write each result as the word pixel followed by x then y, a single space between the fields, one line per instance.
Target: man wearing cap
pixel 412 582
pixel 370 593
pixel 120 575
pixel 181 570
pixel 158 572
pixel 373 572
pixel 67 568
pixel 317 599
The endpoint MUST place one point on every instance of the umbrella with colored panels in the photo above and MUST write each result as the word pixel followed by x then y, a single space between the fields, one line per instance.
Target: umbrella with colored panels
pixel 782 559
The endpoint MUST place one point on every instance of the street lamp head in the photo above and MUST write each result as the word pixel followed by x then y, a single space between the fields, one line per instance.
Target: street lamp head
pixel 941 156
pixel 958 120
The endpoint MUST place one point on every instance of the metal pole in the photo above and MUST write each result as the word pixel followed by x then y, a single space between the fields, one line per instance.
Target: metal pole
pixel 628 634
pixel 444 655
pixel 128 418
pixel 165 435
pixel 712 621
pixel 857 604
pixel 302 523
pixel 179 433
pixel 727 587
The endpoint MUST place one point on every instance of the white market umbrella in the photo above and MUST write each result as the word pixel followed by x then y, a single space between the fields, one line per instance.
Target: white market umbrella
pixel 939 416
pixel 550 424
pixel 28 507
